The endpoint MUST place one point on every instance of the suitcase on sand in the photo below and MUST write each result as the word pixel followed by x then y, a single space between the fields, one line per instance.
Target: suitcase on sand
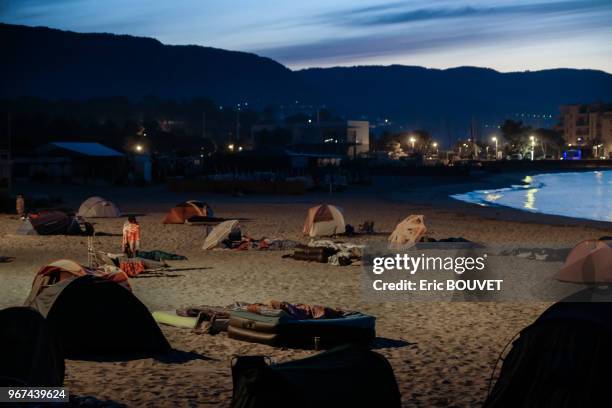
pixel 256 328
pixel 284 330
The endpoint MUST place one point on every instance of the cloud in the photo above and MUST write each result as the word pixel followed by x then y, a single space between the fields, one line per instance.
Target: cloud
pixel 372 16
pixel 392 34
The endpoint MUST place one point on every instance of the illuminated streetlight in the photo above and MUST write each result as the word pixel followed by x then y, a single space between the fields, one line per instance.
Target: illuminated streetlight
pixel 495 140
pixel 435 145
pixel 139 148
pixel 412 140
pixel 239 148
pixel 230 147
pixel 532 138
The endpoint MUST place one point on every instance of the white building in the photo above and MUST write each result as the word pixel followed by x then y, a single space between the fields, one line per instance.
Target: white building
pixel 351 137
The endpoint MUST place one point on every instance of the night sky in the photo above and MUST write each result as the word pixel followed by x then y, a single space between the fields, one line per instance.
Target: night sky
pixel 504 35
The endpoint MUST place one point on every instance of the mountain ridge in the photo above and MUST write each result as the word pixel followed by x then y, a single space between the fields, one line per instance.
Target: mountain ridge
pixel 56 64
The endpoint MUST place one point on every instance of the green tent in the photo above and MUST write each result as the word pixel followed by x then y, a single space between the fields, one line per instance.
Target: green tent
pixel 348 376
pixel 562 359
pixel 30 354
pixel 98 318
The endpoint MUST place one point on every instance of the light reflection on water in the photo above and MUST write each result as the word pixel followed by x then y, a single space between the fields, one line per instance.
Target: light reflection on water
pixel 531 199
pixel 581 195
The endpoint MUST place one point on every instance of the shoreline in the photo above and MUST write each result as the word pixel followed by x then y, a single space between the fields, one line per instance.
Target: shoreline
pixel 440 195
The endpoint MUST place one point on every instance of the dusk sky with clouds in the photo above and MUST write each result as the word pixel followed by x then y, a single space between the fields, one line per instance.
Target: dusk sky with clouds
pixel 504 35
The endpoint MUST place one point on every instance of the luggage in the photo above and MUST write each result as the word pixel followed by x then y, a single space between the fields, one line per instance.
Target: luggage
pixel 317 254
pixel 285 331
pixel 256 328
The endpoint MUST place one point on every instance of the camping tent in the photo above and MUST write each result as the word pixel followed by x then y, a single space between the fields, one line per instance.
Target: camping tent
pixel 324 220
pixel 29 353
pixel 98 207
pixel 409 231
pixel 347 376
pixel 96 317
pixel 62 269
pixel 563 359
pixel 50 223
pixel 220 233
pixel 589 261
pixel 184 211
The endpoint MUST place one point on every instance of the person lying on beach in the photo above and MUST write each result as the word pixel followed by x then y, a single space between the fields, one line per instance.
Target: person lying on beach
pixel 299 311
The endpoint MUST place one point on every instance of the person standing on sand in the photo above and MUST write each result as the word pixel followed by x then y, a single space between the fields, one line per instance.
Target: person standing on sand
pixel 131 237
pixel 20 205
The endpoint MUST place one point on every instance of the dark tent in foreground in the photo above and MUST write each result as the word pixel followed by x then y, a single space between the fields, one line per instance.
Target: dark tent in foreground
pixel 563 359
pixel 50 223
pixel 348 376
pixel 96 317
pixel 29 353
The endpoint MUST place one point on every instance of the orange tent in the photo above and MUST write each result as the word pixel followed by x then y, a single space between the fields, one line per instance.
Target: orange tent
pixel 588 262
pixel 183 211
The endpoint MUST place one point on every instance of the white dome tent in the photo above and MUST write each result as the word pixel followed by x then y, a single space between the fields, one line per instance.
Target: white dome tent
pixel 98 207
pixel 324 220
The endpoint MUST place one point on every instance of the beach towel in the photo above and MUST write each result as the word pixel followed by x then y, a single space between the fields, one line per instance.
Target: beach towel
pixel 131 237
pixel 157 255
pixel 132 268
pixel 247 243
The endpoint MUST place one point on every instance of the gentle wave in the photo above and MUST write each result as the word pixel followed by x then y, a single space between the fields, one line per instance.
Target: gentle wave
pixel 585 195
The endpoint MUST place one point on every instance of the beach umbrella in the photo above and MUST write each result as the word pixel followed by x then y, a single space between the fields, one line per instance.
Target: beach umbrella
pixel 220 233
pixel 589 261
pixel 409 231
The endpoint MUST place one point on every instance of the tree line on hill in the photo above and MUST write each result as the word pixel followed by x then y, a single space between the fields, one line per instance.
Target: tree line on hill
pixel 162 126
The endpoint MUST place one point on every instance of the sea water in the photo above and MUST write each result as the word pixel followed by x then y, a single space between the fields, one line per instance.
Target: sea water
pixel 585 195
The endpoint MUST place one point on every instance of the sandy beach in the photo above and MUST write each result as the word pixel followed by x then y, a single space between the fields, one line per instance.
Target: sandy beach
pixel 442 353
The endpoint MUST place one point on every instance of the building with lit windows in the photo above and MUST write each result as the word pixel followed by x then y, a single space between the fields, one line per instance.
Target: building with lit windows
pixel 588 126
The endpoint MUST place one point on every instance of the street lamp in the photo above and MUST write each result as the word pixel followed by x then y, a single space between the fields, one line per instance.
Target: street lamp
pixel 532 138
pixel 495 140
pixel 412 140
pixel 230 147
pixel 435 145
pixel 139 148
